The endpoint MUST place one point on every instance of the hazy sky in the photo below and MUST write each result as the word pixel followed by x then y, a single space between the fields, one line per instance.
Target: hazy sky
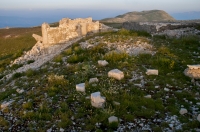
pixel 129 5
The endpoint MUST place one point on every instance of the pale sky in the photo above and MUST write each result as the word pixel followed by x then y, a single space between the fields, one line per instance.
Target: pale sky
pixel 129 5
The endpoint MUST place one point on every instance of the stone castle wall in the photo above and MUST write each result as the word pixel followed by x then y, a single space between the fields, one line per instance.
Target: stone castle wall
pixel 67 30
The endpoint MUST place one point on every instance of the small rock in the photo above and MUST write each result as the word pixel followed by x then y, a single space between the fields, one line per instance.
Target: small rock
pixel 166 89
pixel 112 119
pixel 147 96
pixel 97 100
pixel 80 87
pixel 6 104
pixel 152 72
pixel 198 117
pixel 157 86
pixel 93 80
pixel 20 91
pixel 117 74
pixel 102 62
pixel 138 85
pixel 62 130
pixel 193 66
pixel 183 111
pixel 116 103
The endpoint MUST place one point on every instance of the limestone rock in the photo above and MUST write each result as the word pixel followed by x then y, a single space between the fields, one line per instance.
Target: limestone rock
pixel 37 37
pixel 193 71
pixel 198 117
pixel 6 104
pixel 117 74
pixel 183 111
pixel 152 72
pixel 93 80
pixel 97 100
pixel 147 96
pixel 102 62
pixel 20 91
pixel 80 87
pixel 112 119
pixel 193 66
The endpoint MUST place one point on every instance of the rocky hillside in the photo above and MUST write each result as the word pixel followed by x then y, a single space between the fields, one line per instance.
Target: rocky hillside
pixel 152 15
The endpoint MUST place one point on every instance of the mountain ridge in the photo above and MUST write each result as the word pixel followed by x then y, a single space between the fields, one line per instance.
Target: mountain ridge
pixel 151 15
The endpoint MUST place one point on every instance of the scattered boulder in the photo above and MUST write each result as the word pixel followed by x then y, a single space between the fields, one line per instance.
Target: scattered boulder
pixel 37 37
pixel 183 111
pixel 117 74
pixel 193 71
pixel 80 87
pixel 97 100
pixel 152 72
pixel 112 119
pixel 93 80
pixel 102 62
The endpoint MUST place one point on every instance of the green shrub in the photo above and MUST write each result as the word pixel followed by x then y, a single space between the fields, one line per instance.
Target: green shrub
pixel 55 80
pixel 30 73
pixel 114 57
pixel 17 75
pixel 58 58
pixel 68 51
pixel 76 58
pixel 16 66
pixel 30 61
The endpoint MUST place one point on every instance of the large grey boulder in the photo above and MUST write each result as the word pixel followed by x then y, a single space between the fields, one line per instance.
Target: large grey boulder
pixel 117 74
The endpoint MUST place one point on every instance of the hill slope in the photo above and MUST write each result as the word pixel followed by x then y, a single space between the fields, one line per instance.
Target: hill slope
pixel 152 15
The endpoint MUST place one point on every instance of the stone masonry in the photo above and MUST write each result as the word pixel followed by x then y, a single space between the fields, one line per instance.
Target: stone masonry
pixel 68 29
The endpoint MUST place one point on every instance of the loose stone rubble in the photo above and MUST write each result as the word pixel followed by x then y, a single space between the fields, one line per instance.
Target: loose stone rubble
pixel 97 100
pixel 117 74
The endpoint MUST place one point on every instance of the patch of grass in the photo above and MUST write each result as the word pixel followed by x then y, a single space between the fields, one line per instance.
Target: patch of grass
pixel 55 80
pixel 58 59
pixel 17 75
pixel 114 57
pixel 30 73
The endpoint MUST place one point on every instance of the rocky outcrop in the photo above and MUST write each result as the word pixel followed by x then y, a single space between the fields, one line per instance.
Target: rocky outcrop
pixel 171 29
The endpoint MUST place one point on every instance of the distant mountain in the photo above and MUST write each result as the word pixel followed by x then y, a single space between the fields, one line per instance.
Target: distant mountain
pixel 187 15
pixel 152 15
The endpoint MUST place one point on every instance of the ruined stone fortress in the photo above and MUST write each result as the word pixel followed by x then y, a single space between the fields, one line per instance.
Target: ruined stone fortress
pixel 56 39
pixel 68 29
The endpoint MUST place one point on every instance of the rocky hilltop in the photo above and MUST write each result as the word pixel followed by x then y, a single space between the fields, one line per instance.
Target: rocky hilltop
pixel 152 15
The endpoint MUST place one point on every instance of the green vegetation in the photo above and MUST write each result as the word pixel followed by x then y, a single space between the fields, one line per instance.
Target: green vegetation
pixel 51 99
